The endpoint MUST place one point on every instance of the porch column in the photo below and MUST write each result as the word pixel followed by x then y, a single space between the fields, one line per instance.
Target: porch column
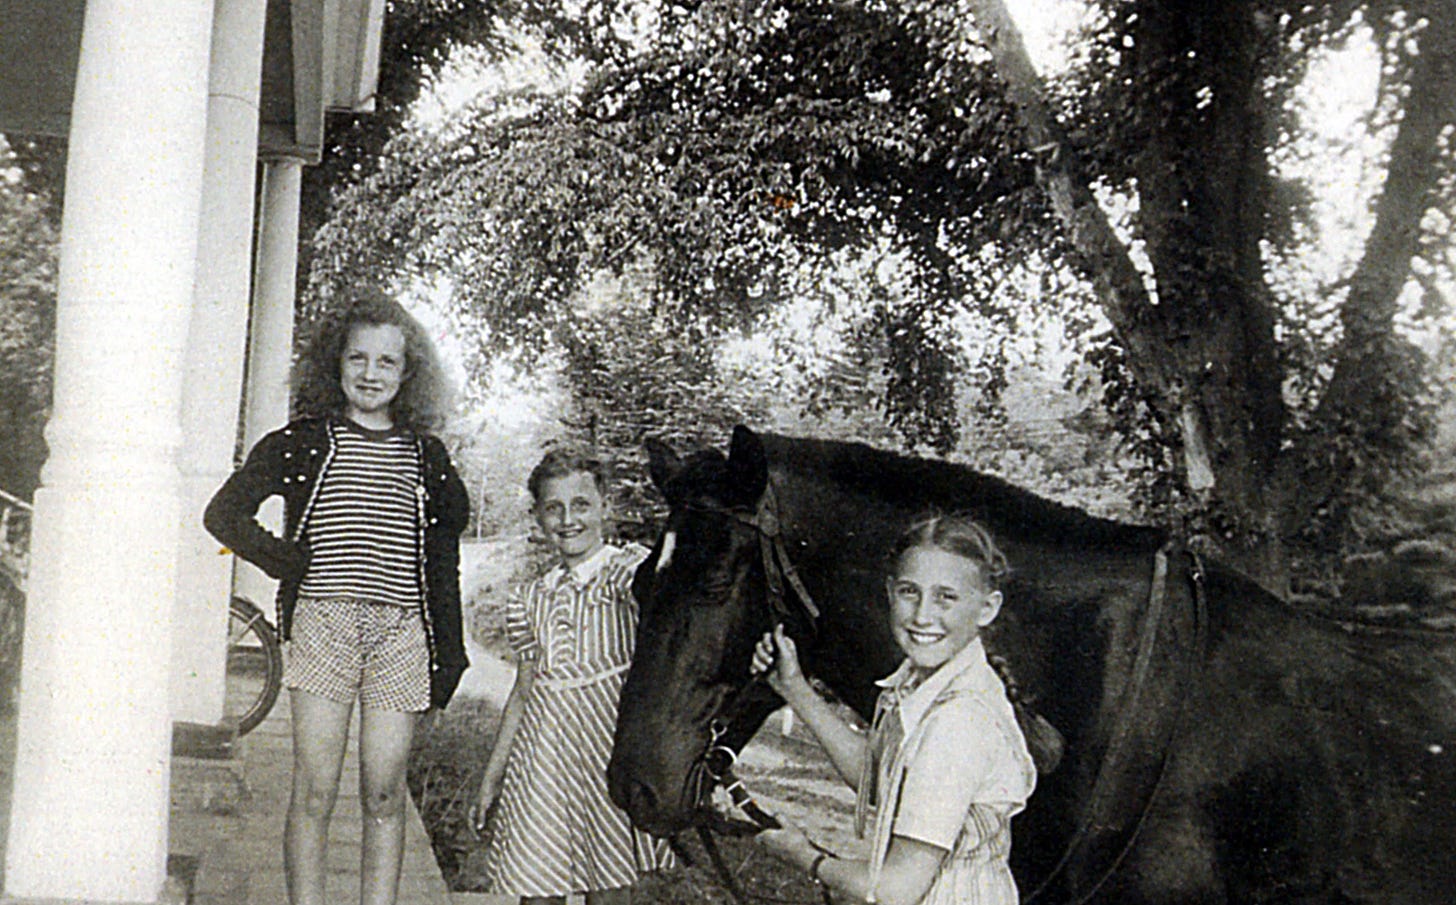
pixel 270 338
pixel 90 803
pixel 215 347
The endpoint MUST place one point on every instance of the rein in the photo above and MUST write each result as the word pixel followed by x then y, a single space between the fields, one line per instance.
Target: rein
pixel 716 763
pixel 1114 814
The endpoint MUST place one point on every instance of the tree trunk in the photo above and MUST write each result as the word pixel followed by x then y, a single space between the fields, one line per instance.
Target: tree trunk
pixel 1204 186
pixel 1361 402
pixel 1104 257
pixel 1188 351
pixel 1205 347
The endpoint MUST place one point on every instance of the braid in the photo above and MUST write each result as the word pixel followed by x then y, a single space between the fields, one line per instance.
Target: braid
pixel 1003 669
pixel 1042 738
pixel 964 537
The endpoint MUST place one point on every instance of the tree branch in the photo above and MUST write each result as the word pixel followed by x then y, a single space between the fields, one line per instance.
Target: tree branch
pixel 1358 393
pixel 1115 278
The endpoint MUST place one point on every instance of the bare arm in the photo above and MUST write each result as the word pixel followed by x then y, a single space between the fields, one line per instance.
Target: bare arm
pixel 909 870
pixel 777 656
pixel 231 514
pixel 500 752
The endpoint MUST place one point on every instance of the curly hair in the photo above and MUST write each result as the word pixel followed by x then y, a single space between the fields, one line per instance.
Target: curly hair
pixel 423 395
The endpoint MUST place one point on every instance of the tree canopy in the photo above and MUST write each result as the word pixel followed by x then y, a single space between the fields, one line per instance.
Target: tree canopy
pixel 734 156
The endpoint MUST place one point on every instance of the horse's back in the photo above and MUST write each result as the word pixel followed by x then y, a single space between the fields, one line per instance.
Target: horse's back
pixel 1316 763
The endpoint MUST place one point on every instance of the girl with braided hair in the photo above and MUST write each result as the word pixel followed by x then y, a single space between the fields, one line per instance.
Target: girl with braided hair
pixel 945 765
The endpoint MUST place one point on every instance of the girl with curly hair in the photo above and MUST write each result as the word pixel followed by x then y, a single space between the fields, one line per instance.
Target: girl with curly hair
pixel 368 571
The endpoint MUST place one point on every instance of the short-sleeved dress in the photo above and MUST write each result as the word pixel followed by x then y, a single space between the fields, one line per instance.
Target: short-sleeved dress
pixel 555 831
pixel 950 767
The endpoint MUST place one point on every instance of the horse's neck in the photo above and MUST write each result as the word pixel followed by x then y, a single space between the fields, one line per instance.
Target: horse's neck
pixel 836 542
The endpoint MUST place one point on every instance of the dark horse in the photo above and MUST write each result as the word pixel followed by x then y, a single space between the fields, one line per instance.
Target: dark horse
pixel 1220 745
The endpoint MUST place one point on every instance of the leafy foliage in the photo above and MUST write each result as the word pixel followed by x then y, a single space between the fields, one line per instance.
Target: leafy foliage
pixel 721 183
pixel 418 39
pixel 29 246
pixel 730 160
pixel 1191 115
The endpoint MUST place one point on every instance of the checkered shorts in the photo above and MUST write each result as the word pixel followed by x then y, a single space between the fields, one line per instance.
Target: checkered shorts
pixel 342 648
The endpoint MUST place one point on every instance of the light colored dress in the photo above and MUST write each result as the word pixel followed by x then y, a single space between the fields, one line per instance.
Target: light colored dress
pixel 949 767
pixel 555 831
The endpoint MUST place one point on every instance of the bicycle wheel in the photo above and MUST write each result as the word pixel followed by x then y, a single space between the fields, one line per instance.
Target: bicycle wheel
pixel 254 666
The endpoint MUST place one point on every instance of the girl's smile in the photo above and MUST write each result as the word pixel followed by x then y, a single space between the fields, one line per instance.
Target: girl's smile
pixel 938 604
pixel 371 370
pixel 572 514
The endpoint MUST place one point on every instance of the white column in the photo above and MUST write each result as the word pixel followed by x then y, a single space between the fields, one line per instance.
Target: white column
pixel 215 346
pixel 270 338
pixel 90 802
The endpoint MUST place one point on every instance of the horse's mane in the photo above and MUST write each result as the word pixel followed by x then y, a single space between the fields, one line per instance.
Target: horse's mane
pixel 1008 511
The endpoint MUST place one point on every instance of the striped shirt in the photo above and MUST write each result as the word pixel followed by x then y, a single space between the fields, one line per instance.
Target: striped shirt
pixel 363 530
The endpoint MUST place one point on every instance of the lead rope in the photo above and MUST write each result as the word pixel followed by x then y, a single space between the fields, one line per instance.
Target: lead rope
pixel 718 762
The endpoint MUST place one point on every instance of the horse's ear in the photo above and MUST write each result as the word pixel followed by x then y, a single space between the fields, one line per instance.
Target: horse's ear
pixel 663 463
pixel 747 466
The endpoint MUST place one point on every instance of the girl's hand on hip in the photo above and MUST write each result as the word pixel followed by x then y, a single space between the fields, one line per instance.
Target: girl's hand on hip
pixel 777 658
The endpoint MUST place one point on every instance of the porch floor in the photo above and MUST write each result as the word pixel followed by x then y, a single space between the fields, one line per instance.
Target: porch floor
pixel 231 827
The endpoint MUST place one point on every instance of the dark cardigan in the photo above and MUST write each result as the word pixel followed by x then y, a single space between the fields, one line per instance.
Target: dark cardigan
pixel 289 463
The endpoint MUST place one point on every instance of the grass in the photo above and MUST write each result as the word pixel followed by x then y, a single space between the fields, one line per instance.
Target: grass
pixel 446 763
pixel 449 755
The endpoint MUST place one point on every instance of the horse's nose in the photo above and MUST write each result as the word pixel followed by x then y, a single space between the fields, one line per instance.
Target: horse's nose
pixel 641 804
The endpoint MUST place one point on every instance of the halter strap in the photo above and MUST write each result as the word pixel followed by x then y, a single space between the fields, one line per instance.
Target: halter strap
pixel 778 571
pixel 778 568
pixel 1169 647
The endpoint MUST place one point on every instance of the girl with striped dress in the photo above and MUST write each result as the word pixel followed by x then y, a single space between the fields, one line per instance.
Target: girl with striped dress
pixel 944 766
pixel 552 829
pixel 368 570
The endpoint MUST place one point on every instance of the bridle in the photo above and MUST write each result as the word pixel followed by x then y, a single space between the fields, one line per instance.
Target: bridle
pixel 1106 832
pixel 714 767
pixel 717 760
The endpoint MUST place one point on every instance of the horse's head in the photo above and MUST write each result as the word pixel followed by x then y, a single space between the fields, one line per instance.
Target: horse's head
pixel 702 596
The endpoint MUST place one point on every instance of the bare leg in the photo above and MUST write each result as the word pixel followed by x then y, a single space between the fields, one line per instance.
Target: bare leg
pixel 320 732
pixel 622 895
pixel 384 744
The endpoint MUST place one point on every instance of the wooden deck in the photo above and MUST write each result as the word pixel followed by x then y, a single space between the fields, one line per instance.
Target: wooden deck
pixel 227 825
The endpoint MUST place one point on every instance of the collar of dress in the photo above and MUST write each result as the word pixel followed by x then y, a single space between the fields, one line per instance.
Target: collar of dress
pixel 587 569
pixel 968 670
